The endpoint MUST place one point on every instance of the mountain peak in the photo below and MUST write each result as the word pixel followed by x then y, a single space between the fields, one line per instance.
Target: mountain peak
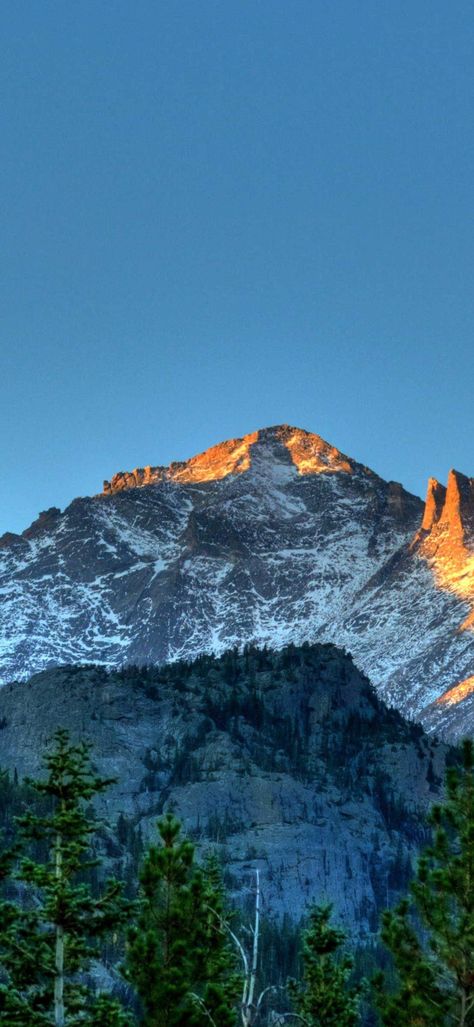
pixel 306 452
pixel 273 537
pixel 458 511
pixel 449 509
pixel 435 499
pixel 447 536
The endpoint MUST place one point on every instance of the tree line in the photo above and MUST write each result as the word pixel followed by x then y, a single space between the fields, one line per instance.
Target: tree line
pixel 176 955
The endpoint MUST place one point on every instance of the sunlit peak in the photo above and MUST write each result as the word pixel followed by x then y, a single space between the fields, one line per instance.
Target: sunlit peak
pixel 308 453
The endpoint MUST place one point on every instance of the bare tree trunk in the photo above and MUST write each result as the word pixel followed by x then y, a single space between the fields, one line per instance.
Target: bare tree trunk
pixel 249 1009
pixel 59 949
pixel 256 933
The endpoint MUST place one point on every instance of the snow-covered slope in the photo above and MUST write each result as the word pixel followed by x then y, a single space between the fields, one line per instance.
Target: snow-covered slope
pixel 272 538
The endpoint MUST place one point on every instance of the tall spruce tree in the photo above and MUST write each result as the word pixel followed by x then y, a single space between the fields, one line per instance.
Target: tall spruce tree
pixel 52 931
pixel 179 959
pixel 323 998
pixel 431 934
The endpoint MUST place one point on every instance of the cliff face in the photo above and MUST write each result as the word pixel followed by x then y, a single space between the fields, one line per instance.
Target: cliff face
pixel 286 761
pixel 271 538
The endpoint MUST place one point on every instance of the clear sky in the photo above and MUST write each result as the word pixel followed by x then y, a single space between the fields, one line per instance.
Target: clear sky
pixel 222 215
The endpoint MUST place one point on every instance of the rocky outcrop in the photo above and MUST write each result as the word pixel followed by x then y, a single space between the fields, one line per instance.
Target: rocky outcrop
pixel 10 538
pixel 458 511
pixel 435 499
pixel 46 521
pixel 449 512
pixel 446 541
pixel 134 479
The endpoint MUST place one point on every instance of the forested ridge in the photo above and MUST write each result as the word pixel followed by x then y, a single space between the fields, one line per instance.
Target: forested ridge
pixel 279 766
pixel 79 947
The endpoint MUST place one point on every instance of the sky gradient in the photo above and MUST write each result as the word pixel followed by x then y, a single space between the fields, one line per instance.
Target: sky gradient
pixel 218 216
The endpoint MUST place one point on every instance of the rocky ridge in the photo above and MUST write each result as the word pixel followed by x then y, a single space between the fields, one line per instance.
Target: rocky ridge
pixel 284 761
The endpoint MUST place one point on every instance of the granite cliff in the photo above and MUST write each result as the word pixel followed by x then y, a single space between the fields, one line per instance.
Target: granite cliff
pixel 287 761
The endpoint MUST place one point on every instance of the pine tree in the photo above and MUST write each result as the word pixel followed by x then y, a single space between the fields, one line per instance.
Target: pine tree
pixel 179 958
pixel 431 934
pixel 323 998
pixel 13 1007
pixel 52 936
pixel 106 1012
pixel 220 982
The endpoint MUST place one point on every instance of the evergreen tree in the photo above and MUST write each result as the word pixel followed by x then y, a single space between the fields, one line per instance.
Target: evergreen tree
pixel 49 938
pixel 106 1012
pixel 179 957
pixel 323 998
pixel 221 983
pixel 431 934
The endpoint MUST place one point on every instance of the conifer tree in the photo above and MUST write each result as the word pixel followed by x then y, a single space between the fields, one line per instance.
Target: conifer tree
pixel 179 958
pixel 53 935
pixel 431 934
pixel 221 982
pixel 324 998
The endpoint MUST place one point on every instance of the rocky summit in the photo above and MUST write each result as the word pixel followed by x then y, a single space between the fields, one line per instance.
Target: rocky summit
pixel 273 538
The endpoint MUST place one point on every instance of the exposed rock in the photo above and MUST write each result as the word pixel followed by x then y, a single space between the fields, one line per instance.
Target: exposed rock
pixel 435 499
pixel 284 761
pixel 309 453
pixel 453 712
pixel 458 511
pixel 47 519
pixel 10 538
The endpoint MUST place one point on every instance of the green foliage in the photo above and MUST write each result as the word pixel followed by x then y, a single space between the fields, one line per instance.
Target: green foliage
pixel 179 957
pixel 324 997
pixel 106 1012
pixel 431 934
pixel 54 933
pixel 280 950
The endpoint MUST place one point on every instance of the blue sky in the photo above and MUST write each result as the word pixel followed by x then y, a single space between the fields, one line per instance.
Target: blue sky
pixel 218 216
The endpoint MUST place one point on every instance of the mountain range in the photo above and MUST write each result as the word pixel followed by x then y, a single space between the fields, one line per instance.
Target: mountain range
pixel 270 539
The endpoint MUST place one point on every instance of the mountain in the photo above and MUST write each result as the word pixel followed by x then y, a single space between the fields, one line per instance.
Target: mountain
pixel 286 761
pixel 273 538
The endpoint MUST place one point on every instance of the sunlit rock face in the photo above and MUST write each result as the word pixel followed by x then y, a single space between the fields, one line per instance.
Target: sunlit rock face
pixel 452 713
pixel 271 538
pixel 446 541
pixel 453 696
pixel 309 453
pixel 218 462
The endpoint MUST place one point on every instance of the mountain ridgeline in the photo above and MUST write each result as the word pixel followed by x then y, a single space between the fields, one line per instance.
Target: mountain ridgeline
pixel 286 761
pixel 273 538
